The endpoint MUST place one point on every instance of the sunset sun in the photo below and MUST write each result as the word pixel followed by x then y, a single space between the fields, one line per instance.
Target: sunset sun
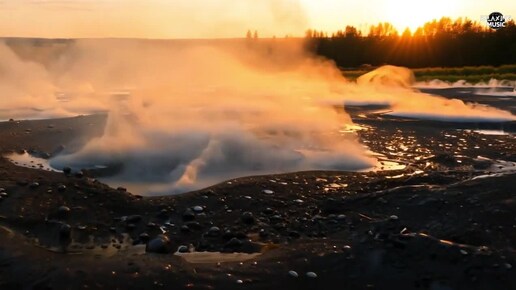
pixel 413 14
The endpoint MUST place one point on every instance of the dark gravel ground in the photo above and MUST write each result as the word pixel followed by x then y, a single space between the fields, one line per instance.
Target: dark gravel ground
pixel 432 225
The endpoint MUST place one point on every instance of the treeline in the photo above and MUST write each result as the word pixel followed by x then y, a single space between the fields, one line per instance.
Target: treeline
pixel 443 42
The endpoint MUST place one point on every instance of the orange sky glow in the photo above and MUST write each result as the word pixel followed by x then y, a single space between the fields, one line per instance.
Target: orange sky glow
pixel 224 18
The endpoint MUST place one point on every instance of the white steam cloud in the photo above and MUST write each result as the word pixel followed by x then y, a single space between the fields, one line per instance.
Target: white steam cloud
pixel 190 114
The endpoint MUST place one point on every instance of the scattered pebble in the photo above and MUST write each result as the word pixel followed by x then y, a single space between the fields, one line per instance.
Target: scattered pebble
pixel 188 215
pixel 65 231
pixel 63 211
pixel 22 182
pixel 194 225
pixel 247 217
pixel 263 233
pixel 144 237
pixel 267 191
pixel 293 273
pixel 182 249
pixel 214 231
pixel 233 243
pixel 161 244
pixel 198 209
pixel 311 275
pixel 133 219
pixel 163 213
pixel 268 211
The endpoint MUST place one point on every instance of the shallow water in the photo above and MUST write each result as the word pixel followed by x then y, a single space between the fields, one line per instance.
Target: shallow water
pixel 27 160
pixel 491 132
pixel 157 188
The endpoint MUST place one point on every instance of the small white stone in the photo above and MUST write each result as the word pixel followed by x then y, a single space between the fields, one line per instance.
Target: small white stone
pixel 464 252
pixel 508 266
pixel 311 275
pixel 198 208
pixel 239 281
pixel 293 273
pixel 394 217
pixel 182 249
pixel 267 191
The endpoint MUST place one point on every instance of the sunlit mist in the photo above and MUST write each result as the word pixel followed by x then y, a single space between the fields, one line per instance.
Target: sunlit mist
pixel 192 113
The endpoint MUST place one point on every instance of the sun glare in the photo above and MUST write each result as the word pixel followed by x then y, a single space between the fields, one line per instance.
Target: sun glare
pixel 413 14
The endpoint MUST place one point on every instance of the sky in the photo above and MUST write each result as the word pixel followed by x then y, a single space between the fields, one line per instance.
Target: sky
pixel 224 18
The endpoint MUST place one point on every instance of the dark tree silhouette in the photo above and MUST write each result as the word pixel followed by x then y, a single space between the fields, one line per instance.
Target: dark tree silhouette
pixel 443 42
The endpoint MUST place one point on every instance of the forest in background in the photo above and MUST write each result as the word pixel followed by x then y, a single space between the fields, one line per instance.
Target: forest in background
pixel 439 43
